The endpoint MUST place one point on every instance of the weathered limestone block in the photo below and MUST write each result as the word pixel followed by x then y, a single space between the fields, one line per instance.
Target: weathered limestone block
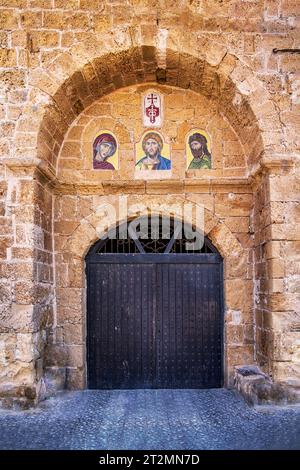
pixel 224 240
pixel 73 334
pixel 284 301
pixel 54 379
pixel 71 296
pixel 236 354
pixel 258 389
pixel 285 231
pixel 17 374
pixel 288 372
pixel 238 224
pixel 76 273
pixel 75 378
pixel 75 354
pixel 275 268
pixel 284 188
pixel 233 204
pixel 69 314
pixel 292 283
pixel 25 348
pixel 18 317
pixel 286 346
pixel 239 296
pixel 83 237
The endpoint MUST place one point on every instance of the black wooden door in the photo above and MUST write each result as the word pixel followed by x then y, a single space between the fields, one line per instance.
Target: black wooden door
pixel 154 321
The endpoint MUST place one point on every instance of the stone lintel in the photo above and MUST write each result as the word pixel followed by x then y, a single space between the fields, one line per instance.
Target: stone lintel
pixel 29 166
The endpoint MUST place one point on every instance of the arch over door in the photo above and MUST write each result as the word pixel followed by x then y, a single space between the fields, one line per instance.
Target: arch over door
pixel 154 313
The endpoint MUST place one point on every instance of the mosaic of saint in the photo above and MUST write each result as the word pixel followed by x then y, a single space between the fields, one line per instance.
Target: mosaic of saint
pixel 198 155
pixel 152 152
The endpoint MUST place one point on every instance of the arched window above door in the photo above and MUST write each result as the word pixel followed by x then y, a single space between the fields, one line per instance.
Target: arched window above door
pixel 152 235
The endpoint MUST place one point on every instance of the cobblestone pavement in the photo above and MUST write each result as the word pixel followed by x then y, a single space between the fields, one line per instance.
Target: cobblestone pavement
pixel 150 419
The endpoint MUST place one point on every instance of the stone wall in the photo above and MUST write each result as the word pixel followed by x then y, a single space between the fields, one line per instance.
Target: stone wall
pixel 276 225
pixel 26 284
pixel 227 204
pixel 77 234
pixel 58 62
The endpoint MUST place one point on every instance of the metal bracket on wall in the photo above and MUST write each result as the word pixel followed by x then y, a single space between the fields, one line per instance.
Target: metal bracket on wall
pixel 281 51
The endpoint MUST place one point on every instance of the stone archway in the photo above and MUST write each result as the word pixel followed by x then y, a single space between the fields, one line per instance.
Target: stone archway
pixel 75 79
pixel 71 292
pixel 226 80
pixel 154 307
pixel 72 81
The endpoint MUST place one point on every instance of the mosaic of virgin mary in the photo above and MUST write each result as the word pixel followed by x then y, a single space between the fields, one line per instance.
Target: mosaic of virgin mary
pixel 104 147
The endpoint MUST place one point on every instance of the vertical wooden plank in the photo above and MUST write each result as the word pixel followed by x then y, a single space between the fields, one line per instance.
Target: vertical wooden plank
pixel 111 288
pixel 102 360
pixel 165 317
pixel 158 326
pixel 125 304
pixel 137 327
pixel 205 321
pixel 117 325
pixel 199 301
pixel 90 348
pixel 131 314
pixel 153 326
pixel 145 327
pixel 172 379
